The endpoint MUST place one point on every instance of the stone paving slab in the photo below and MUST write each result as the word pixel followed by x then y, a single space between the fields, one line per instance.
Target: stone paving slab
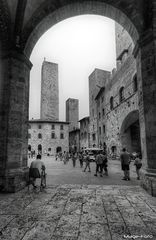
pixel 78 212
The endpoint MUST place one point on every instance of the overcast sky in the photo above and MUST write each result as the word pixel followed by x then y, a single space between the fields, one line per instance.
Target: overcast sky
pixel 79 45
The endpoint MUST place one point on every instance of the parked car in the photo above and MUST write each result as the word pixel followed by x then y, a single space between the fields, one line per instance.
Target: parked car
pixel 93 152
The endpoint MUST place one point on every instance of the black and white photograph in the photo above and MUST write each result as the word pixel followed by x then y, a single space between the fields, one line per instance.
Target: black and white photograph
pixel 77 119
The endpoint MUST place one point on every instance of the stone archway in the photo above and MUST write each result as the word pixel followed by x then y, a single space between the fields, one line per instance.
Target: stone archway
pixel 130 132
pixel 21 25
pixel 34 30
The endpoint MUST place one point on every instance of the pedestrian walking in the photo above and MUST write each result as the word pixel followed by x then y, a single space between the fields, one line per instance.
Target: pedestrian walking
pixel 56 156
pixel 125 162
pixel 138 165
pixel 105 163
pixel 74 157
pixel 99 164
pixel 64 157
pixel 35 170
pixel 87 161
pixel 81 159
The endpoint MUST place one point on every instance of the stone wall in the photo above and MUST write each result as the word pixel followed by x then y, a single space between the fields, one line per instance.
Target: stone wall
pixel 123 39
pixel 49 91
pixel 114 118
pixel 46 141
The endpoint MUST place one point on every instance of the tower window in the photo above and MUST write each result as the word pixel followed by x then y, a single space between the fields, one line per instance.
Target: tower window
pixel 121 94
pixel 99 115
pixel 100 130
pixel 61 127
pixel 61 136
pixel 39 126
pixel 94 136
pixel 104 129
pixel 111 103
pixel 52 126
pixel 135 83
pixel 52 135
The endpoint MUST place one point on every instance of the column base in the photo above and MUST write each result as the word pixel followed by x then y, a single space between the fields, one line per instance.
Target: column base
pixel 14 180
pixel 148 181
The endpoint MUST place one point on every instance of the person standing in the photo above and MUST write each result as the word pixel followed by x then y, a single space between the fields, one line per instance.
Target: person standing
pixel 125 162
pixel 87 161
pixel 35 170
pixel 104 164
pixel 81 159
pixel 99 164
pixel 74 157
pixel 138 165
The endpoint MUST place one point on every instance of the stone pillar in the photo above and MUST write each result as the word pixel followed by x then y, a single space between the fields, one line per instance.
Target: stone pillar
pixel 146 72
pixel 14 106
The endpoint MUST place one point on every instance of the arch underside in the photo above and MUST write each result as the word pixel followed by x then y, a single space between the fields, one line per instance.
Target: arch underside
pixel 31 34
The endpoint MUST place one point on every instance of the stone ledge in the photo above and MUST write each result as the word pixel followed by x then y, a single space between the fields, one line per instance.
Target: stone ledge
pixel 14 182
pixel 148 182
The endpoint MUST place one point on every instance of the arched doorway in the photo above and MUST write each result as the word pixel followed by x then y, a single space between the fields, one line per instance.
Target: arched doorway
pixel 29 24
pixel 130 132
pixel 39 149
pixel 59 149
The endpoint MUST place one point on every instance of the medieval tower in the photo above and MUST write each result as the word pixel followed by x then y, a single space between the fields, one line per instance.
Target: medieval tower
pixel 72 113
pixel 49 92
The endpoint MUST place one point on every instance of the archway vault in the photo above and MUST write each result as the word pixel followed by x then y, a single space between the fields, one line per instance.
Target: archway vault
pixel 49 14
pixel 131 117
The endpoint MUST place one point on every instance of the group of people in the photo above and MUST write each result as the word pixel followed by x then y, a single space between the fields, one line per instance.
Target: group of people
pixel 62 156
pixel 37 167
pixel 84 158
pixel 125 164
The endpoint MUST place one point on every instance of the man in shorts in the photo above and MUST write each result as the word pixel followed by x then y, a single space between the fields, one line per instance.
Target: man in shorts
pixel 36 167
pixel 125 162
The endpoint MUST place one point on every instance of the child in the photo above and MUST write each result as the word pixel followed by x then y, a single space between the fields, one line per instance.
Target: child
pixel 138 165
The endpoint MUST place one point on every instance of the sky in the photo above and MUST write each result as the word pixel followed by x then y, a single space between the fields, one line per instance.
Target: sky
pixel 78 45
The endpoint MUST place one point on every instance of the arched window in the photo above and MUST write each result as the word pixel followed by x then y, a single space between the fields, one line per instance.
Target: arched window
pixel 53 135
pixel 29 147
pixel 39 135
pixel 121 94
pixel 111 103
pixel 135 83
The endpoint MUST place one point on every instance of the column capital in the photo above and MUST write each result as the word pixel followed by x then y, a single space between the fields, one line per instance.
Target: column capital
pixel 16 54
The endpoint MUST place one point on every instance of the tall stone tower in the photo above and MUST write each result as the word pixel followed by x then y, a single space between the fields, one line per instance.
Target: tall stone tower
pixel 72 113
pixel 49 92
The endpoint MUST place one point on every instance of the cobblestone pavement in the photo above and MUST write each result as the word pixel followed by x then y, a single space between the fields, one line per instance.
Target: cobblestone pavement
pixel 78 212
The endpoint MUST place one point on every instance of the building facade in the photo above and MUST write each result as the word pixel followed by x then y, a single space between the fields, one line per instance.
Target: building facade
pixel 84 133
pixel 116 102
pixel 48 137
pixel 49 108
pixel 72 113
pixel 74 140
pixel 97 79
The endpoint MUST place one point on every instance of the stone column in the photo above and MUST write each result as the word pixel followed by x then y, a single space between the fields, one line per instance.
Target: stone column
pixel 146 71
pixel 14 106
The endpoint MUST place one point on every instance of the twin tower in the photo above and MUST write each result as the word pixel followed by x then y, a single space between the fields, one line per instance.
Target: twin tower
pixel 50 97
